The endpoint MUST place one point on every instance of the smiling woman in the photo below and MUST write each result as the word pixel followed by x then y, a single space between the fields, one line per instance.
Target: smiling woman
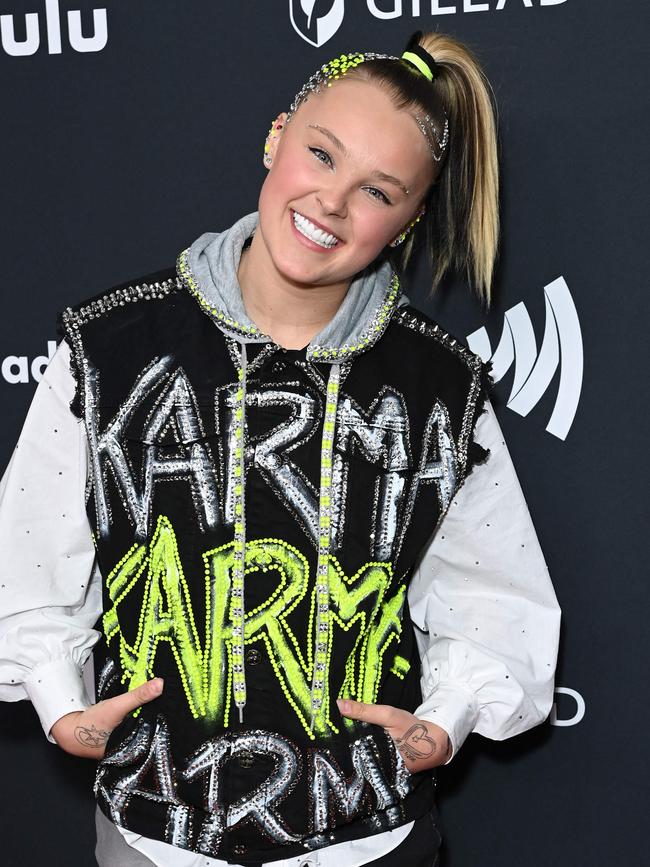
pixel 276 502
pixel 332 166
pixel 351 185
pixel 450 97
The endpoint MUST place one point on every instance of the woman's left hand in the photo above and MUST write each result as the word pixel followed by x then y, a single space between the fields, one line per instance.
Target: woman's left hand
pixel 422 744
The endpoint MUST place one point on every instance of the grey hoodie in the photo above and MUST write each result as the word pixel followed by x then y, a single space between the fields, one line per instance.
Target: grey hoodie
pixel 213 260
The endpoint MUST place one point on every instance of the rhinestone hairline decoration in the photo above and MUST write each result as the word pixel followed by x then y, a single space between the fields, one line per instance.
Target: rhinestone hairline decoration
pixel 339 66
pixel 430 130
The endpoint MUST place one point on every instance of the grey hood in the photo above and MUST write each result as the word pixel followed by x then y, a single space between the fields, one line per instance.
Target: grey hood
pixel 209 269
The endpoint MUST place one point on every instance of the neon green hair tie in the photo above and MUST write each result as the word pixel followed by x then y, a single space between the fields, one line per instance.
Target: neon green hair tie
pixel 419 63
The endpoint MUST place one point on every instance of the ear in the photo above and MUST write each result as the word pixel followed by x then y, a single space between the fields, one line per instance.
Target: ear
pixel 416 219
pixel 273 138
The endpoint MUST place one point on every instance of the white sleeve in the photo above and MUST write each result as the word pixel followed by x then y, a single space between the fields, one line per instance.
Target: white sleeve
pixel 50 590
pixel 483 603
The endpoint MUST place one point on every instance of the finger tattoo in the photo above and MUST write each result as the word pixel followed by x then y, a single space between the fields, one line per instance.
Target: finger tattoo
pixel 91 737
pixel 416 743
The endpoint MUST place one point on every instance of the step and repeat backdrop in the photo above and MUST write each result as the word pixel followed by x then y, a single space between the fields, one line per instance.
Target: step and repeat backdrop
pixel 129 128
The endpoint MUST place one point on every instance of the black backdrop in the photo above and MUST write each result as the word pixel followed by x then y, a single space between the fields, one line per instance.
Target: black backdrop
pixel 113 159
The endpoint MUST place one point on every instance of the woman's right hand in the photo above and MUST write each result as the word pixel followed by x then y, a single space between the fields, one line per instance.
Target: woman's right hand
pixel 85 732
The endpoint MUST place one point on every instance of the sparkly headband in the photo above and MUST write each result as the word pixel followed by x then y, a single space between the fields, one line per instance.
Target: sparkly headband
pixel 339 66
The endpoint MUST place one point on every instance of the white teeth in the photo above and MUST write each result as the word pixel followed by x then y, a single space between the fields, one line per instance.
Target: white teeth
pixel 307 228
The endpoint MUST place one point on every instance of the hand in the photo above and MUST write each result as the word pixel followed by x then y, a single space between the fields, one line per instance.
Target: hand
pixel 85 732
pixel 422 744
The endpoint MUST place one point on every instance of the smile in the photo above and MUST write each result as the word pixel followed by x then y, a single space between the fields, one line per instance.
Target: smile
pixel 313 233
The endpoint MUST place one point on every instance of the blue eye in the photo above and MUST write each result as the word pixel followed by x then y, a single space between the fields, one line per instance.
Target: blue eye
pixel 316 151
pixel 382 196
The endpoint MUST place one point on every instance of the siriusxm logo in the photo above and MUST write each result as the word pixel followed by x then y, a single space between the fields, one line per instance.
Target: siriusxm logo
pixel 17 368
pixel 561 346
pixel 17 47
pixel 318 20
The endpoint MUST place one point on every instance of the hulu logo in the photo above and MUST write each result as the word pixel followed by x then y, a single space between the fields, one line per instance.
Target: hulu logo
pixel 18 47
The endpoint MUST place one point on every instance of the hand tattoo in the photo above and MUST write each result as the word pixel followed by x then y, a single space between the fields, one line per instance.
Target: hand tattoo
pixel 91 737
pixel 416 743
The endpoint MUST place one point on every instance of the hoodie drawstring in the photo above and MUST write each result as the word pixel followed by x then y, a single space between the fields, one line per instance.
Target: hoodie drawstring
pixel 237 598
pixel 321 637
pixel 237 612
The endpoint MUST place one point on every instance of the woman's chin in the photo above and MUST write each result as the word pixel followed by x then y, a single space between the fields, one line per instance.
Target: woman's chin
pixel 296 270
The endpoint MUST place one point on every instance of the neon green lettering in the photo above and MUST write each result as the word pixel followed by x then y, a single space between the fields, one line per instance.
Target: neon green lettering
pixel 166 615
pixel 262 555
pixel 400 666
pixel 378 639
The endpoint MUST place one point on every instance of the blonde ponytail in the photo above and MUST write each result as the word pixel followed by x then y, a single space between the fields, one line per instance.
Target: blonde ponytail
pixel 468 200
pixel 461 224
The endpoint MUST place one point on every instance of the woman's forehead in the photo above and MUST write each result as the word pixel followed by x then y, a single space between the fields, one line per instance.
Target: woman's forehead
pixel 363 117
pixel 362 100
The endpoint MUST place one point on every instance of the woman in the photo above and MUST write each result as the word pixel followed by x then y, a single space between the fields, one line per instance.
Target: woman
pixel 316 568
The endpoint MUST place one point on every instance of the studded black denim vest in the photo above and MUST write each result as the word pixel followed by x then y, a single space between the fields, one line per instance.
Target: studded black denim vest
pixel 157 390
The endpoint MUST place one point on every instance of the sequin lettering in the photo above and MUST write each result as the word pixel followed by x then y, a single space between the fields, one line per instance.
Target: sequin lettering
pixel 439 465
pixel 175 410
pixel 205 667
pixel 333 797
pixel 270 454
pixel 152 751
pixel 383 436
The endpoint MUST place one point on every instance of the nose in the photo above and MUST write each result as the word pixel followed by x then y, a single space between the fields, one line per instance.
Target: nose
pixel 333 200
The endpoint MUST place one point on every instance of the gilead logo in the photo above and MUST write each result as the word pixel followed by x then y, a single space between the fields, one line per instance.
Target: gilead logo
pixel 398 8
pixel 316 21
pixel 17 47
pixel 17 368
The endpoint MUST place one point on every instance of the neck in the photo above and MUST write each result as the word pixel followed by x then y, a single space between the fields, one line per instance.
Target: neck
pixel 290 313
